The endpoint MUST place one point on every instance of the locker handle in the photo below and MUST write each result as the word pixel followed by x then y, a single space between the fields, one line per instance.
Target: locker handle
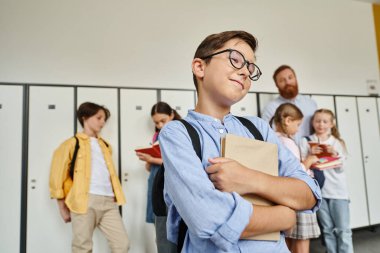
pixel 367 110
pixel 347 110
pixel 242 109
pixel 1 106
pixel 33 180
pixel 178 108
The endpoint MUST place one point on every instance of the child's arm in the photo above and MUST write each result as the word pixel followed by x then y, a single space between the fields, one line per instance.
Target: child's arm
pixel 230 176
pixel 149 159
pixel 267 219
pixel 59 169
pixel 63 210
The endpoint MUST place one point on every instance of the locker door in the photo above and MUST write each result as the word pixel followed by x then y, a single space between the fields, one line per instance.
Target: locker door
pixel 246 107
pixel 181 101
pixel 348 125
pixel 108 98
pixel 137 130
pixel 11 102
pixel 369 128
pixel 51 121
pixel 326 102
pixel 265 99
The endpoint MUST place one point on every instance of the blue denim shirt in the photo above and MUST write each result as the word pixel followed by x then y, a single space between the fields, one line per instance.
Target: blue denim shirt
pixel 215 219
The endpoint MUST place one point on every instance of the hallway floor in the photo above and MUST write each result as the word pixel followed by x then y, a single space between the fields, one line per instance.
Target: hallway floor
pixel 366 240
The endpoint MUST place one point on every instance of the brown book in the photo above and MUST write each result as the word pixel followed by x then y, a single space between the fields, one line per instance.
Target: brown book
pixel 258 155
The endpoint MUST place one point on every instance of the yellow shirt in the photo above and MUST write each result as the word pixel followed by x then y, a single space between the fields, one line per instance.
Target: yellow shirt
pixel 76 194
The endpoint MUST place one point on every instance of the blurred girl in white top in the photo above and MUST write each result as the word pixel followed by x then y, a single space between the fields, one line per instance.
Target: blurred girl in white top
pixel 334 215
pixel 287 120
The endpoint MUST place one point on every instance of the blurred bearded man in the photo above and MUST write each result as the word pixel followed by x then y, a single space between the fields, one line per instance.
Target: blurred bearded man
pixel 286 82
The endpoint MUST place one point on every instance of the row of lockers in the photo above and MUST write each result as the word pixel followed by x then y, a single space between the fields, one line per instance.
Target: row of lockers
pixel 36 119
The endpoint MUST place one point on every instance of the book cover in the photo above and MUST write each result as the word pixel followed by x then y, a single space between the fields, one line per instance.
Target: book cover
pixel 324 152
pixel 153 150
pixel 254 154
pixel 327 162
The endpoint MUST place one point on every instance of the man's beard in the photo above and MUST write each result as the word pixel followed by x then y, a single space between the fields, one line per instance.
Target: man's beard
pixel 289 91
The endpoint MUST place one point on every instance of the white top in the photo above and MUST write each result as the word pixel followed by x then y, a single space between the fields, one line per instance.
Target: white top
pixel 100 183
pixel 335 186
pixel 307 106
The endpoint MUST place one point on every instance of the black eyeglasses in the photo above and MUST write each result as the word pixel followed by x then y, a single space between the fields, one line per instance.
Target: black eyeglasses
pixel 238 61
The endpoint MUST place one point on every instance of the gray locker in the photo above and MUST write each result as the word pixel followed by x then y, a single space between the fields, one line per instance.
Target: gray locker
pixel 108 98
pixel 369 128
pixel 265 99
pixel 51 121
pixel 348 125
pixel 246 107
pixel 326 102
pixel 137 130
pixel 181 101
pixel 11 103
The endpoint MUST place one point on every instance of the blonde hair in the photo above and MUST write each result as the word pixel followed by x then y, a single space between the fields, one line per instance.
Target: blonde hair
pixel 283 111
pixel 334 129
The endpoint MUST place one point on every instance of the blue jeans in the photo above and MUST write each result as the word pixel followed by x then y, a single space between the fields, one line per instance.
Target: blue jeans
pixel 334 218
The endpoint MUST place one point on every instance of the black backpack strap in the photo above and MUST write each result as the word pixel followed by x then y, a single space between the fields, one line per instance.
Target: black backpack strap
pixel 251 127
pixel 182 230
pixel 194 137
pixel 307 138
pixel 72 165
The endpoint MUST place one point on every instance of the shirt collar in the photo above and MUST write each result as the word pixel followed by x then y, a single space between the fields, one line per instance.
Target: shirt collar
pixel 206 118
pixel 84 136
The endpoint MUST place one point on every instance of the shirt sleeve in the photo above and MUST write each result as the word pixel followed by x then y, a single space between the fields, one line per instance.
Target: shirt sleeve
pixel 290 166
pixel 208 212
pixel 59 170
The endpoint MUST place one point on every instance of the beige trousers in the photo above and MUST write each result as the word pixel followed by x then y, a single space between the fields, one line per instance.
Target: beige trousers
pixel 103 213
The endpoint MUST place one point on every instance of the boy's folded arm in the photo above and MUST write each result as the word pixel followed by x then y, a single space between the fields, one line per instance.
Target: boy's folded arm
pixel 208 212
pixel 267 219
pixel 290 192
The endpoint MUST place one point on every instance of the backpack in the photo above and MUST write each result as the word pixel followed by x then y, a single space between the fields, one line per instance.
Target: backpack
pixel 72 165
pixel 318 174
pixel 159 206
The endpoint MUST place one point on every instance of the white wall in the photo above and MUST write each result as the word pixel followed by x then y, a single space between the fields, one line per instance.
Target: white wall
pixel 330 43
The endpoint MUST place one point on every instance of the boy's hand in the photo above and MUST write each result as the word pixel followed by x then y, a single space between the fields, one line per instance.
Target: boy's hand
pixel 229 176
pixel 64 211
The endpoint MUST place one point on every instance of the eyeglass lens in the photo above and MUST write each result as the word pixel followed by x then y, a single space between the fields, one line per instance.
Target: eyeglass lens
pixel 238 61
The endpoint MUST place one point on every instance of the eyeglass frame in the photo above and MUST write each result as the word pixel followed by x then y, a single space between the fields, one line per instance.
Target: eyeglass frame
pixel 245 62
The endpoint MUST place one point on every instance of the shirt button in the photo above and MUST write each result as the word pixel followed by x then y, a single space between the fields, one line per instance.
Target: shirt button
pixel 221 131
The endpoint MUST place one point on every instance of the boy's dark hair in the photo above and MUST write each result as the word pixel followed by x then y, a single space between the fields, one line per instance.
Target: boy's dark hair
pixel 281 68
pixel 216 41
pixel 88 109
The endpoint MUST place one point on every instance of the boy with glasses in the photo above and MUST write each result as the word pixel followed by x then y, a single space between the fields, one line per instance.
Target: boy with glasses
pixel 206 193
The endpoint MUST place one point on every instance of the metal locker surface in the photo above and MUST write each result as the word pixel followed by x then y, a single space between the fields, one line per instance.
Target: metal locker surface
pixel 348 126
pixel 48 128
pixel 181 101
pixel 246 107
pixel 11 113
pixel 137 129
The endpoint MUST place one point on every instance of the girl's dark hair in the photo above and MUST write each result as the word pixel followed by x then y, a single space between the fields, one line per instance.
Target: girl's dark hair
pixel 283 111
pixel 334 129
pixel 88 109
pixel 164 108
